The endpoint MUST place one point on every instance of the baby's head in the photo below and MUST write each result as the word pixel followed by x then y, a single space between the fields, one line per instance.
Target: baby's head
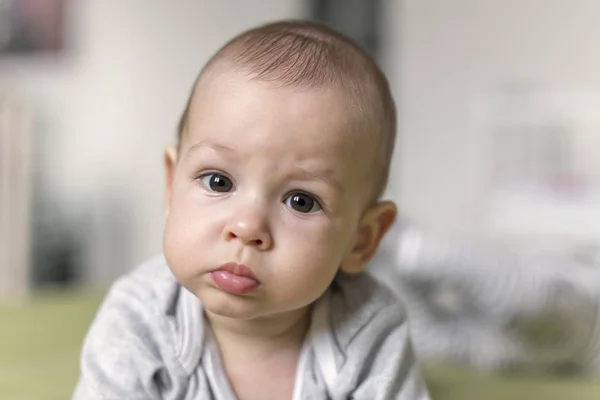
pixel 283 152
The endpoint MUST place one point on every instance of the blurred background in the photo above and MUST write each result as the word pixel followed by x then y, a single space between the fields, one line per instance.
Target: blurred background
pixel 499 118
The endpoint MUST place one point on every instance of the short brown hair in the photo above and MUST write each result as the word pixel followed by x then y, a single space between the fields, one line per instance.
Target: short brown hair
pixel 300 53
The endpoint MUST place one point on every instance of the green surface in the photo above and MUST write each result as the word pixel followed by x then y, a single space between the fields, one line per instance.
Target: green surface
pixel 456 384
pixel 40 341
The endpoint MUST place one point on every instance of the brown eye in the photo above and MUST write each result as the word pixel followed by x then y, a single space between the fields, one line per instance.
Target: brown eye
pixel 302 203
pixel 217 182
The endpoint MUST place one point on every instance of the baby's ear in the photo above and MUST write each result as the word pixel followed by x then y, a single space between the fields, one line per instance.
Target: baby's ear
pixel 170 161
pixel 373 226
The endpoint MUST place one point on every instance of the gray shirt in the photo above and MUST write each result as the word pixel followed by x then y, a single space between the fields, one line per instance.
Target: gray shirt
pixel 149 341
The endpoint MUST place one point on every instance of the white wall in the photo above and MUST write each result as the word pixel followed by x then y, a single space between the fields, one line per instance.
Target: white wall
pixel 442 55
pixel 112 105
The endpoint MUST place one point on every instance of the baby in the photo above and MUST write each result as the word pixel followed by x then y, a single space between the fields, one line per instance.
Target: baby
pixel 272 212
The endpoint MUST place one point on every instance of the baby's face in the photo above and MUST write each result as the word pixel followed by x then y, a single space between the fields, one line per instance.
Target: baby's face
pixel 268 178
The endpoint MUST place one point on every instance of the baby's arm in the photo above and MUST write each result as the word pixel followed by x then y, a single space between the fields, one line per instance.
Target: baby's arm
pixel 120 357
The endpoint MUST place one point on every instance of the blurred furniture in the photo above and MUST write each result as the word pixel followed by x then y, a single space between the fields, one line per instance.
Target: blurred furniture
pixel 15 189
pixel 497 306
pixel 360 20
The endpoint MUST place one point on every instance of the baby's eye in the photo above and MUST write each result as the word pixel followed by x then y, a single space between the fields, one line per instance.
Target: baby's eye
pixel 217 182
pixel 302 202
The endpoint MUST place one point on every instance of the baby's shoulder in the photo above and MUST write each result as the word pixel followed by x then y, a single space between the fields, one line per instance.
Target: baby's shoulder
pixel 151 282
pixel 134 343
pixel 362 294
pixel 359 301
pixel 142 309
pixel 142 300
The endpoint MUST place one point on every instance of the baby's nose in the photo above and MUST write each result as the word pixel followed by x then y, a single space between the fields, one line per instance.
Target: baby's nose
pixel 251 228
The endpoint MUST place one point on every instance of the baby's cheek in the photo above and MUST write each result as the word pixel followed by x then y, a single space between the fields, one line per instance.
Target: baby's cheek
pixel 179 230
pixel 185 227
pixel 311 258
pixel 172 241
pixel 180 247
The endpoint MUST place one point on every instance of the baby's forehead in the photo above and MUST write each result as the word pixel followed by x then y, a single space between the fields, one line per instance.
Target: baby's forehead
pixel 224 76
pixel 234 101
pixel 237 91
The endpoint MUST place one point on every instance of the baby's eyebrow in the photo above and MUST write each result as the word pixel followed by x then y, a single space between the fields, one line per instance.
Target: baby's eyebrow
pixel 325 175
pixel 303 173
pixel 208 144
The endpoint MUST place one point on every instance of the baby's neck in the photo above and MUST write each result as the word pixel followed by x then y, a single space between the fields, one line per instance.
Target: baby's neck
pixel 261 338
pixel 260 357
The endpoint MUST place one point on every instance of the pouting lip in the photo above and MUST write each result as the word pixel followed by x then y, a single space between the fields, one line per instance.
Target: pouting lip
pixel 238 269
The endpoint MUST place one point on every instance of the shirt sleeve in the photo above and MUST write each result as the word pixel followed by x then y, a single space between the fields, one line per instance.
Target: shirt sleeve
pixel 121 357
pixel 383 354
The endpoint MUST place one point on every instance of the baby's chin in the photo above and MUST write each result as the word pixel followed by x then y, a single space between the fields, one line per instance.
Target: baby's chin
pixel 224 306
pixel 233 307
